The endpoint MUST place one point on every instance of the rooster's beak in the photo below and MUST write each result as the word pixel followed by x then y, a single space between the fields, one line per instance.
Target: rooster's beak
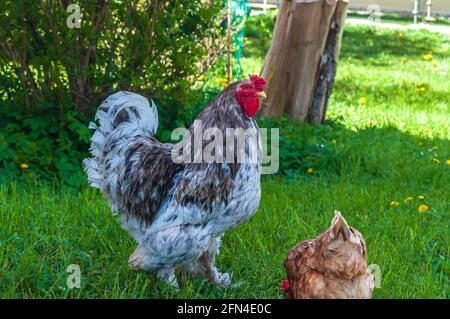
pixel 262 95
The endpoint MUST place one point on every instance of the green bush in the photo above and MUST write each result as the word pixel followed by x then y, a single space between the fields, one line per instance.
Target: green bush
pixel 53 77
pixel 43 145
pixel 158 48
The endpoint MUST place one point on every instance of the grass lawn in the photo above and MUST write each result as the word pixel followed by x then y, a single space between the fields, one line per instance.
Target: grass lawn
pixel 387 139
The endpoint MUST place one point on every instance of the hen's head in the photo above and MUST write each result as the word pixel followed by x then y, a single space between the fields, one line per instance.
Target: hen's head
pixel 248 93
pixel 342 249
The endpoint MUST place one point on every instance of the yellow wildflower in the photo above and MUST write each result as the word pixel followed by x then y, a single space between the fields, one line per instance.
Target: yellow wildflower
pixel 309 170
pixel 448 162
pixel 334 142
pixel 394 203
pixel 428 56
pixel 201 78
pixel 408 199
pixel 24 166
pixel 434 148
pixel 421 197
pixel 225 83
pixel 381 90
pixel 420 89
pixel 362 100
pixel 422 208
pixel 436 160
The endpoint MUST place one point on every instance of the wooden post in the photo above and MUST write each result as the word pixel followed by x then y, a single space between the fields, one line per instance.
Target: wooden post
pixel 301 63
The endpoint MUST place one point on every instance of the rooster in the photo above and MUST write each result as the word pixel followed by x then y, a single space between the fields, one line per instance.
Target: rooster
pixel 334 265
pixel 176 211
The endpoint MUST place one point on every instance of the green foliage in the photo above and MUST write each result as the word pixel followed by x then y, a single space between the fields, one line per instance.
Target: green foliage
pixel 154 47
pixel 46 145
pixel 52 77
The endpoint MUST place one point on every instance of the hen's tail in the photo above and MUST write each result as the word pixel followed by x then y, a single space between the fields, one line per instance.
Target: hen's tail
pixel 121 116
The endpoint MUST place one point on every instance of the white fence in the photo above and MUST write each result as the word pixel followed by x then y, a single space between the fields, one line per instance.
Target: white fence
pixel 438 7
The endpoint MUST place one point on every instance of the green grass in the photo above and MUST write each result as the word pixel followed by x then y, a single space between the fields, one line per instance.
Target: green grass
pixel 363 158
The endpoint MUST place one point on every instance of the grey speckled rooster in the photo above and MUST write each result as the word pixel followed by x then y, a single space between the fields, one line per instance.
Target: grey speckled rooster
pixel 177 211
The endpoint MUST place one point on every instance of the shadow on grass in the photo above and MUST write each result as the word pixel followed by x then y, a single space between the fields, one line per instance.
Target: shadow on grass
pixel 332 150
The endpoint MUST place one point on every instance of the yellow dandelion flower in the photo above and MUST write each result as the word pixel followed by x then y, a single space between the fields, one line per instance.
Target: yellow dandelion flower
pixel 225 83
pixel 428 56
pixel 436 160
pixel 334 142
pixel 24 166
pixel 408 199
pixel 201 78
pixel 394 203
pixel 448 162
pixel 420 89
pixel 309 170
pixel 422 208
pixel 362 100
pixel 421 197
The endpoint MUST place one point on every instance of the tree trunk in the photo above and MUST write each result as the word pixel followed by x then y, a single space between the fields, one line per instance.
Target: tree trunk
pixel 301 63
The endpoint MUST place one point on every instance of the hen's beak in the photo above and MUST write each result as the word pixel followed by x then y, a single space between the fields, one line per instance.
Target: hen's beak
pixel 262 95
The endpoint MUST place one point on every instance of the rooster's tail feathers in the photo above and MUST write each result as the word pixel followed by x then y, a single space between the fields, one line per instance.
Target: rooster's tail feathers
pixel 121 116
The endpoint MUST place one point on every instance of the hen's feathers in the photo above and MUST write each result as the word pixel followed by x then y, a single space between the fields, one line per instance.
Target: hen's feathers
pixel 334 265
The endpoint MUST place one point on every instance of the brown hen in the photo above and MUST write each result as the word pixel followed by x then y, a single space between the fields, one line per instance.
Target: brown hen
pixel 334 265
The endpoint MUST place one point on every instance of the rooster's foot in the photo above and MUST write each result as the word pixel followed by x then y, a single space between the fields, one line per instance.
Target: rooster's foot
pixel 167 275
pixel 222 279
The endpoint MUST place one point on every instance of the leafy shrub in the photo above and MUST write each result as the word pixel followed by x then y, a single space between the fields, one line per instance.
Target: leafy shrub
pixel 158 48
pixel 52 77
pixel 43 146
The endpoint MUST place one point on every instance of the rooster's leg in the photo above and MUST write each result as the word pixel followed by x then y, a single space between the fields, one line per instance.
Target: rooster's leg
pixel 142 260
pixel 167 275
pixel 139 259
pixel 204 266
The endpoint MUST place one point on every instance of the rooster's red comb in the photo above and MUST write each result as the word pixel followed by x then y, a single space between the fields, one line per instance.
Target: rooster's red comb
pixel 258 81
